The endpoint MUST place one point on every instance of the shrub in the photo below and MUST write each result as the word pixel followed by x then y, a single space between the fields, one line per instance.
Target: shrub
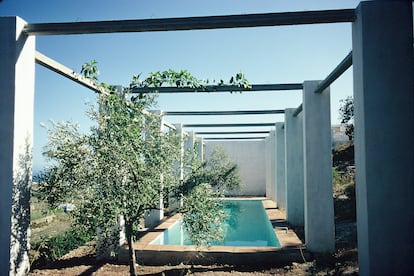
pixel 49 249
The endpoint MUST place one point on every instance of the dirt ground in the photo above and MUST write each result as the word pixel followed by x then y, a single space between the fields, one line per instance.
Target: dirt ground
pixel 82 262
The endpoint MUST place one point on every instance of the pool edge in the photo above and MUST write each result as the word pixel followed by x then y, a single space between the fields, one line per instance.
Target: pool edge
pixel 292 249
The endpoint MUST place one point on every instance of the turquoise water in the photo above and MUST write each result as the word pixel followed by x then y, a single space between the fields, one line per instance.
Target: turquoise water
pixel 247 225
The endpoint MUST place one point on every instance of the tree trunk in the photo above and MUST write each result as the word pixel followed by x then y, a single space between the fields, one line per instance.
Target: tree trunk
pixel 131 251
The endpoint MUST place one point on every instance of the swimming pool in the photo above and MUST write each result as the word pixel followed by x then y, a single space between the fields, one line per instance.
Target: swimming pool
pixel 247 225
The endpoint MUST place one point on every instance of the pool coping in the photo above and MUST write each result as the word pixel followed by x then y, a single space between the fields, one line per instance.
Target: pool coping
pixel 289 241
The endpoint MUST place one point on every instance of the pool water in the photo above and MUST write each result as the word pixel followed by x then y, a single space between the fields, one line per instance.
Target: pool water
pixel 247 225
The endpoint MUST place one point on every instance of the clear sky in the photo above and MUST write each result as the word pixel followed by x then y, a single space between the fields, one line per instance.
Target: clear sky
pixel 288 54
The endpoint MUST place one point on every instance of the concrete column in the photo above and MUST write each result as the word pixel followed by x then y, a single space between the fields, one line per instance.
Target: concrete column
pixel 267 165
pixel 190 141
pixel 280 166
pixel 180 165
pixel 188 153
pixel 384 125
pixel 200 148
pixel 272 165
pixel 17 56
pixel 319 212
pixel 154 216
pixel 106 246
pixel 294 168
pixel 180 133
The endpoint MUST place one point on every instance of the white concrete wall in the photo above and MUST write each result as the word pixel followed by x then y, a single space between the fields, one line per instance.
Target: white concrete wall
pixel 384 123
pixel 250 158
pixel 17 71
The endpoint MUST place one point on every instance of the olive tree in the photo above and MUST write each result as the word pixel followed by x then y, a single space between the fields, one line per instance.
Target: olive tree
pixel 113 171
pixel 122 165
pixel 346 115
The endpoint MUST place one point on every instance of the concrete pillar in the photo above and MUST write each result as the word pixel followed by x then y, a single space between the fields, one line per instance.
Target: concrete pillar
pixel 267 165
pixel 188 152
pixel 319 212
pixel 384 125
pixel 280 166
pixel 17 67
pixel 271 149
pixel 180 132
pixel 294 168
pixel 154 216
pixel 190 141
pixel 200 148
pixel 108 247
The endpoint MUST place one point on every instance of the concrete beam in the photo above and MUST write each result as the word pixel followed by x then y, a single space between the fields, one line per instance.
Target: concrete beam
pixel 223 112
pixel 384 150
pixel 231 132
pixel 193 23
pixel 230 125
pixel 234 138
pixel 319 212
pixel 17 67
pixel 219 88
pixel 294 168
pixel 66 72
pixel 280 166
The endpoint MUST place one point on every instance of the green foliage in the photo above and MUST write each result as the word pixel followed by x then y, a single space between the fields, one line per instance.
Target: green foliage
pixel 116 169
pixel 169 77
pixel 183 78
pixel 67 151
pixel 346 114
pixel 90 70
pixel 203 215
pixel 49 249
pixel 240 81
pixel 202 190
pixel 335 176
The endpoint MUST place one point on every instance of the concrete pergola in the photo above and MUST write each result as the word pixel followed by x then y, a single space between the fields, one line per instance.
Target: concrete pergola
pixel 382 58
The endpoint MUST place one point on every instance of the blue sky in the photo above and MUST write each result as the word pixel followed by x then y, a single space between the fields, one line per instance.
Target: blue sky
pixel 288 54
